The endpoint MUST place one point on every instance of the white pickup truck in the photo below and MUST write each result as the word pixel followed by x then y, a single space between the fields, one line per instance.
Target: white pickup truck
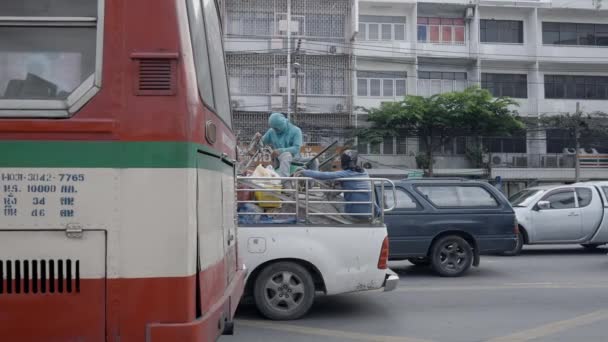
pixel 304 248
pixel 562 214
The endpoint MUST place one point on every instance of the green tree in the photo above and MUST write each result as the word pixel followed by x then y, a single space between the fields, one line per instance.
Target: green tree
pixel 440 118
pixel 579 125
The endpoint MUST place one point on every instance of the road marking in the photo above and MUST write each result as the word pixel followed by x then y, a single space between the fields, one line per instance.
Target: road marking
pixel 512 286
pixel 326 332
pixel 553 328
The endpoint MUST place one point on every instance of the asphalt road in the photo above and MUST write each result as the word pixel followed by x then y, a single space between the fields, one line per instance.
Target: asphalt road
pixel 557 294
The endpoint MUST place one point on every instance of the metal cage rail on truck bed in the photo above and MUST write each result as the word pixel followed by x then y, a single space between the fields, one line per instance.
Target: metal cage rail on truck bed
pixel 305 194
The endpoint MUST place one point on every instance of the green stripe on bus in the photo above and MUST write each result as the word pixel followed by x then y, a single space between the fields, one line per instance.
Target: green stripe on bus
pixel 103 154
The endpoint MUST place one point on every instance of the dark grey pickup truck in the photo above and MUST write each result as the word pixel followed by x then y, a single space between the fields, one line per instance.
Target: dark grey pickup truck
pixel 448 224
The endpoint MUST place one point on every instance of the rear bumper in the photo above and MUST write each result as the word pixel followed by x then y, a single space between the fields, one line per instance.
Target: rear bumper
pixel 208 327
pixel 391 281
pixel 496 244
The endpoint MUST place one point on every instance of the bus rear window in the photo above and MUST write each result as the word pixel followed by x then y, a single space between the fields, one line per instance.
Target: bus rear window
pixel 44 62
pixel 48 8
pixel 48 54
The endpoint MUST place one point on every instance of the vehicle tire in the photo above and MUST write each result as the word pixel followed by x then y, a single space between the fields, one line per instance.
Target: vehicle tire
pixel 518 246
pixel 284 291
pixel 420 261
pixel 590 245
pixel 451 256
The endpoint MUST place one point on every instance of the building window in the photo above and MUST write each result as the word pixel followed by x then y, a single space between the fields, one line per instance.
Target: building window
pixel 381 83
pixel 576 87
pixel 374 27
pixel 505 145
pixel 441 30
pixel 575 34
pixel 402 145
pixel 511 85
pixel 502 31
pixel 436 82
pixel 387 145
pixel 257 23
pixel 250 80
pixel 49 55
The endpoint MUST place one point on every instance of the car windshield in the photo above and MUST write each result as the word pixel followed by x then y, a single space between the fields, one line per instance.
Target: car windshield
pixel 522 198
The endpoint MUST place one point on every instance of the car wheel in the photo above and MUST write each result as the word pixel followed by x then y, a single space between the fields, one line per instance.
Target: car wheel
pixel 420 261
pixel 518 246
pixel 451 256
pixel 284 291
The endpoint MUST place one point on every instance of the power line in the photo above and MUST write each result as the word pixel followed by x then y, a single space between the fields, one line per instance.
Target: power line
pixel 444 64
pixel 383 48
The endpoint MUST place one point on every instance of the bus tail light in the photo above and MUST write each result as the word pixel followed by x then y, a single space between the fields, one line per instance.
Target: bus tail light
pixel 383 260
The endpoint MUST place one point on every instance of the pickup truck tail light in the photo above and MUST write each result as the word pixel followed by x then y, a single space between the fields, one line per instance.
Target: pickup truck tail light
pixel 383 260
pixel 516 227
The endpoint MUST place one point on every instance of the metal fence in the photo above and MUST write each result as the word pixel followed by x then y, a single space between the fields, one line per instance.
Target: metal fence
pixel 302 199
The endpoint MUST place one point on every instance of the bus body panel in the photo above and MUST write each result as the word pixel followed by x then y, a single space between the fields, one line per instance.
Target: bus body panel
pixel 138 158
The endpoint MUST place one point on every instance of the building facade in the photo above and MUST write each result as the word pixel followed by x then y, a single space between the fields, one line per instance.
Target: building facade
pixel 548 55
pixel 266 38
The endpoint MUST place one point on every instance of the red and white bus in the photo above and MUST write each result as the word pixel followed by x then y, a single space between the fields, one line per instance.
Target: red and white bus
pixel 116 172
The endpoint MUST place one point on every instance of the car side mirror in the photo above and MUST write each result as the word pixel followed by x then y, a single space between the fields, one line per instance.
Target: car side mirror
pixel 543 205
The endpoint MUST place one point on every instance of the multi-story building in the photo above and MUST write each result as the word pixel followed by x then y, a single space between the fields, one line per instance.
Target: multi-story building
pixel 259 55
pixel 548 55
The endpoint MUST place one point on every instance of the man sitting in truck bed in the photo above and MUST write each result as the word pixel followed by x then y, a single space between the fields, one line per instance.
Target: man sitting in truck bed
pixel 350 169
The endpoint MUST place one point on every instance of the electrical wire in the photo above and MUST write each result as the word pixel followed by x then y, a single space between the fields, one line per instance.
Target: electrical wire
pixel 384 48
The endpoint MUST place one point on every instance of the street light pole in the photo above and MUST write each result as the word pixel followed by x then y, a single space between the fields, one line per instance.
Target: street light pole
pixel 296 68
pixel 288 59
pixel 577 137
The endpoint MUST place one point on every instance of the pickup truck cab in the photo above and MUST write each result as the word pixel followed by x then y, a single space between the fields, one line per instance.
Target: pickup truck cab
pixel 292 255
pixel 448 224
pixel 563 214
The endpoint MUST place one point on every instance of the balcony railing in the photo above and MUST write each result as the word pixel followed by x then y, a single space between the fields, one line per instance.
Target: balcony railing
pixel 546 161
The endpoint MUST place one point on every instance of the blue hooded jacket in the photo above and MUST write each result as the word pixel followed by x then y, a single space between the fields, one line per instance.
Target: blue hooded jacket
pixel 283 135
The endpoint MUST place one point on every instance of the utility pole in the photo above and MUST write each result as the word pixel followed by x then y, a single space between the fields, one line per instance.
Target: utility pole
pixel 577 137
pixel 288 59
pixel 296 67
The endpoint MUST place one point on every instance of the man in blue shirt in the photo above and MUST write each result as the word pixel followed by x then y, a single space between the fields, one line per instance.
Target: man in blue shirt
pixel 350 169
pixel 285 139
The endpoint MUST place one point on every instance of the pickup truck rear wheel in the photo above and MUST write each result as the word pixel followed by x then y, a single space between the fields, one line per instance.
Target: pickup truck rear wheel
pixel 284 291
pixel 451 256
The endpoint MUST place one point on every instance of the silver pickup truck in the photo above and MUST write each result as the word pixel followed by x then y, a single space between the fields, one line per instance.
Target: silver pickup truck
pixel 562 214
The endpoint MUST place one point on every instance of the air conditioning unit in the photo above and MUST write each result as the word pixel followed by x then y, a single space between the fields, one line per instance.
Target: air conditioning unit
pixel 339 107
pixel 294 26
pixel 334 49
pixel 276 102
pixel 520 161
pixel 550 161
pixel 277 44
pixel 499 159
pixel 588 151
pixel 235 104
pixel 469 14
pixel 302 102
